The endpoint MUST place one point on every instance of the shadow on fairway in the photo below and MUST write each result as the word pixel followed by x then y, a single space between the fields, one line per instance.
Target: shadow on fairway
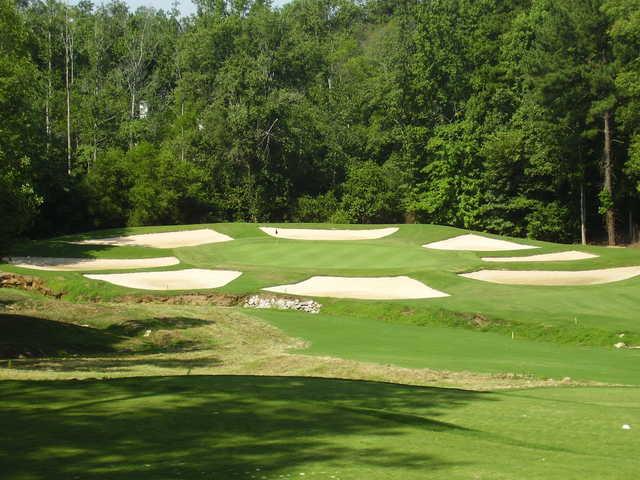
pixel 220 427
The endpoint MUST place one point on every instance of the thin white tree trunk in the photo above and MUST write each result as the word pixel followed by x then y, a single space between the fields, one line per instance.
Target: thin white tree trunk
pixel 182 132
pixel 67 47
pixel 47 106
pixel 583 216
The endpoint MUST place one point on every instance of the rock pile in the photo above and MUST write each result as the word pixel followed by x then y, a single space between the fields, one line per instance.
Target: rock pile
pixel 260 301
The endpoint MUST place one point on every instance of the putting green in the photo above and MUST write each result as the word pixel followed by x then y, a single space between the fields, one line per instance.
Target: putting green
pixel 293 254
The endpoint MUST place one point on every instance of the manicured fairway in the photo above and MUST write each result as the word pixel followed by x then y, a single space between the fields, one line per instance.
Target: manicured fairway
pixel 274 427
pixel 444 348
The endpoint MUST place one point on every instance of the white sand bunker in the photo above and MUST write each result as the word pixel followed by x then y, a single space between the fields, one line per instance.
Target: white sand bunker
pixel 555 278
pixel 190 279
pixel 545 257
pixel 476 243
pixel 328 234
pixel 369 288
pixel 87 264
pixel 183 238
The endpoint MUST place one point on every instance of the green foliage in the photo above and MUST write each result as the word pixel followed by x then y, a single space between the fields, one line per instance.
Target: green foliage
pixel 19 144
pixel 371 194
pixel 316 209
pixel 484 114
pixel 606 202
pixel 18 201
pixel 145 186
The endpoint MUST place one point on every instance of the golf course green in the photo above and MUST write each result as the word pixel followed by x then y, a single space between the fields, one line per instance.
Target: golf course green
pixel 525 380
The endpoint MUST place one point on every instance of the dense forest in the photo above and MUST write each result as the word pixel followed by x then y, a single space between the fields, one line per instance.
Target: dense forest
pixel 518 117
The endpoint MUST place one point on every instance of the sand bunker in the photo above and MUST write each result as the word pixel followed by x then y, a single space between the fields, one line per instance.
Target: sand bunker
pixel 327 234
pixel 369 288
pixel 476 243
pixel 190 279
pixel 555 278
pixel 87 264
pixel 545 257
pixel 184 238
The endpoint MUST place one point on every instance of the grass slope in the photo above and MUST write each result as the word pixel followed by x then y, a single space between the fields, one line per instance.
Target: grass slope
pixel 443 348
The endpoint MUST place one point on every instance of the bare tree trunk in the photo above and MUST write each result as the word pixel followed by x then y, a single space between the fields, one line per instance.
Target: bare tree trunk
pixel 583 217
pixel 608 178
pixel 140 51
pixel 132 115
pixel 67 47
pixel 96 89
pixel 182 132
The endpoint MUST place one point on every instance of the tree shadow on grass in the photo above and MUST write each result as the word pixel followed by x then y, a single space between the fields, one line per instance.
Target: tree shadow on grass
pixel 135 327
pixel 22 335
pixel 29 336
pixel 224 427
pixel 105 365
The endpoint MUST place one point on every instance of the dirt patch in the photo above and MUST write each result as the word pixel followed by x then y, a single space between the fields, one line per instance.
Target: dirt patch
pixel 217 299
pixel 26 282
pixel 480 321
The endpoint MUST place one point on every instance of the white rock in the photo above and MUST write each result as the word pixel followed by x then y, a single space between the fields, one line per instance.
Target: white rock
pixel 257 301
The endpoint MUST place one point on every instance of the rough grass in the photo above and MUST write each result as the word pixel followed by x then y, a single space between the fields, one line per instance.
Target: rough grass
pixel 116 340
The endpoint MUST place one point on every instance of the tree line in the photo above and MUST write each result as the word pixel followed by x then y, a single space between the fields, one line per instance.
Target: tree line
pixel 518 117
